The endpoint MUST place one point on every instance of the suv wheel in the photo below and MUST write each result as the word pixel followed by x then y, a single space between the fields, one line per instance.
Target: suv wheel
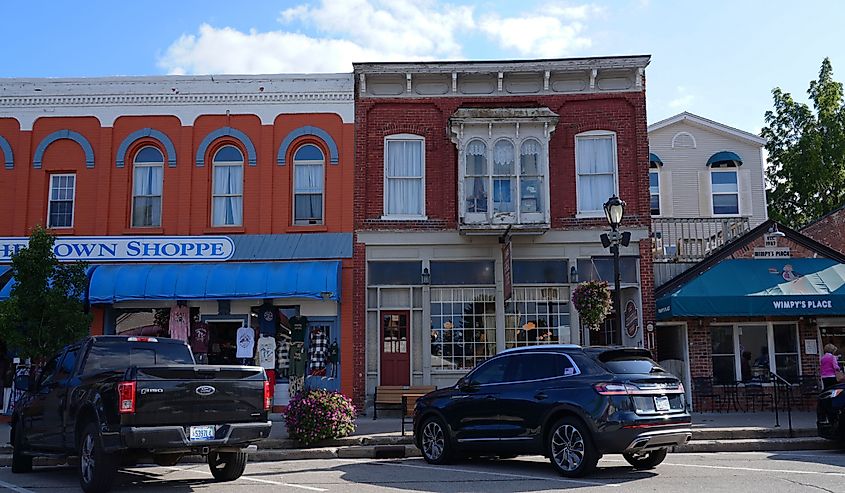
pixel 226 466
pixel 646 460
pixel 97 469
pixel 434 443
pixel 571 449
pixel 20 461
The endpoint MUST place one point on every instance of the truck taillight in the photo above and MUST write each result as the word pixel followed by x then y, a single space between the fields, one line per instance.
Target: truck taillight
pixel 142 339
pixel 126 397
pixel 267 399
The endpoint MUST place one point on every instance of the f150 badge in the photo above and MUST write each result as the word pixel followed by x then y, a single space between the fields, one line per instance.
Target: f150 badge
pixel 205 390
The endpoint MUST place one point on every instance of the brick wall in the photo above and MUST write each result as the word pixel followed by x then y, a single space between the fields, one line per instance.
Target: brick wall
pixel 623 113
pixel 796 250
pixel 829 230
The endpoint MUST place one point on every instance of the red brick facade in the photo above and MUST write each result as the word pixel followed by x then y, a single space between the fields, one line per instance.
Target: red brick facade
pixel 829 230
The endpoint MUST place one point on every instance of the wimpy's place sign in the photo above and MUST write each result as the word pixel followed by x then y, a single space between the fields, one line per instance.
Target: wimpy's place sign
pixel 131 248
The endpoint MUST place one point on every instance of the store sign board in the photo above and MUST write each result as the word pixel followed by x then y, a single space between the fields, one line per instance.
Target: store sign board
pixel 98 249
pixel 507 266
pixel 772 252
pixel 632 319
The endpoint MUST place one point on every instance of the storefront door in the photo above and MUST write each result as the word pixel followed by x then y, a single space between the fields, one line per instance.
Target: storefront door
pixel 395 348
pixel 673 353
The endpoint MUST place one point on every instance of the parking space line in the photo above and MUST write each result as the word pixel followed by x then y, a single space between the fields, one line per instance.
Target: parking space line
pixel 247 478
pixel 757 469
pixel 15 488
pixel 503 474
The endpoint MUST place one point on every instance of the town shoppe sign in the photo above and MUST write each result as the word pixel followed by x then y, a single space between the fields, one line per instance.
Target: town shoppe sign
pixel 98 249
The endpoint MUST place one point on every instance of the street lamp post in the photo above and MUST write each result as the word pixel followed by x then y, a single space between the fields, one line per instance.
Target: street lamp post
pixel 614 210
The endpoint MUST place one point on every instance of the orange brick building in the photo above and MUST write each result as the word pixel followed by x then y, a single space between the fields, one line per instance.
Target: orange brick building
pixel 248 172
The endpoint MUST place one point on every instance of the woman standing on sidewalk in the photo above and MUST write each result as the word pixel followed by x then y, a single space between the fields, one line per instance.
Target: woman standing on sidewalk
pixel 828 366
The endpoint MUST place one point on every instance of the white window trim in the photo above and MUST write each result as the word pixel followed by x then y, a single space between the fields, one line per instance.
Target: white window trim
pixel 691 136
pixel 215 164
pixel 145 164
pixel 732 169
pixel 322 189
pixel 73 202
pixel 770 340
pixel 659 190
pixel 403 217
pixel 595 134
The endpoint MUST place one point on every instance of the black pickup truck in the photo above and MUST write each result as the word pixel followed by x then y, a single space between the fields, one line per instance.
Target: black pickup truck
pixel 116 400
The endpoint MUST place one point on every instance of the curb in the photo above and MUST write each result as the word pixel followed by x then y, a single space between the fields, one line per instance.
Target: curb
pixel 757 445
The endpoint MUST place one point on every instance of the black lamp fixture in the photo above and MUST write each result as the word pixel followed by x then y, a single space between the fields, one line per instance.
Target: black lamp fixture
pixel 614 210
pixel 426 276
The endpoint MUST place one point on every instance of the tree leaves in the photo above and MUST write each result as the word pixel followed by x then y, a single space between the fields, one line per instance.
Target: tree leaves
pixel 806 147
pixel 45 310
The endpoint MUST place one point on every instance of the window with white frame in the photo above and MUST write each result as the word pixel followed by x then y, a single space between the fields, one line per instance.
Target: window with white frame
pixel 595 162
pixel 463 327
pixel 513 189
pixel 404 176
pixel 62 195
pixel 309 166
pixel 654 191
pixel 537 315
pixel 749 351
pixel 724 189
pixel 147 183
pixel 227 187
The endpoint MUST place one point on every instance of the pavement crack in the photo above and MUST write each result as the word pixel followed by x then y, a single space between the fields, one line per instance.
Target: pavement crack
pixel 808 485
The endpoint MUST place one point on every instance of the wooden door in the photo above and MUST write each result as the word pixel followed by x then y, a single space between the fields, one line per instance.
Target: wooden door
pixel 395 348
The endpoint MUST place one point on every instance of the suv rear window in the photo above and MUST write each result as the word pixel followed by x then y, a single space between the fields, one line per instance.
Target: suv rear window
pixel 632 364
pixel 119 356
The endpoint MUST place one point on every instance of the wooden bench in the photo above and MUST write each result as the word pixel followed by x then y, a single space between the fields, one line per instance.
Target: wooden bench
pixel 391 396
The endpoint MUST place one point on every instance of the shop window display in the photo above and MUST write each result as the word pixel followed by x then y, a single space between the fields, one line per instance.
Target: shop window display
pixel 536 315
pixel 463 327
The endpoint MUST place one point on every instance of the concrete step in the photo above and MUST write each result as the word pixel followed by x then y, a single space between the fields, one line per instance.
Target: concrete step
pixel 744 433
pixel 758 445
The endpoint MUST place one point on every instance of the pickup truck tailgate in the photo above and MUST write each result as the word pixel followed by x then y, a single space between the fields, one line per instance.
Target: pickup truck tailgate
pixel 170 395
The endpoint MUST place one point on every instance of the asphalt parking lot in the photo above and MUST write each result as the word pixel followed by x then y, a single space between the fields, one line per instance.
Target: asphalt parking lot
pixel 752 471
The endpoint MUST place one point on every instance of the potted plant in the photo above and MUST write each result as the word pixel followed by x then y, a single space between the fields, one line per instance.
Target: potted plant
pixel 593 301
pixel 317 415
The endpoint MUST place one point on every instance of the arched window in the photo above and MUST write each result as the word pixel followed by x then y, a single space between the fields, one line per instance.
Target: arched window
pixel 227 187
pixel 475 182
pixel 147 182
pixel 308 178
pixel 503 176
pixel 530 177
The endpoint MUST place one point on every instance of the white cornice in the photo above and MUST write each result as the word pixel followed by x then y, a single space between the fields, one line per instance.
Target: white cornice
pixel 709 124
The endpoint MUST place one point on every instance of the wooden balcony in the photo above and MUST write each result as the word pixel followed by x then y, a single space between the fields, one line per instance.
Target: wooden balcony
pixel 690 240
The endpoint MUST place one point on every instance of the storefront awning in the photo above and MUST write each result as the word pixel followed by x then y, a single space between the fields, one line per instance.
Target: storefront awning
pixel 760 288
pixel 6 291
pixel 254 280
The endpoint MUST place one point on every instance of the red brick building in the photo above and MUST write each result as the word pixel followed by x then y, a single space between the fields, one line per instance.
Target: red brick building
pixel 766 302
pixel 453 157
pixel 219 193
pixel 829 229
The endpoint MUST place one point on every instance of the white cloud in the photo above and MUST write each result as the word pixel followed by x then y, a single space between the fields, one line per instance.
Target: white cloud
pixel 343 31
pixel 682 100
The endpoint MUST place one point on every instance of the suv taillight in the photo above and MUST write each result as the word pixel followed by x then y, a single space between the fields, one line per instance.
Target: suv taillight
pixel 267 399
pixel 615 388
pixel 126 397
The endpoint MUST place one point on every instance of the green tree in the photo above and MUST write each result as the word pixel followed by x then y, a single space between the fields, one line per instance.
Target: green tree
pixel 806 146
pixel 45 311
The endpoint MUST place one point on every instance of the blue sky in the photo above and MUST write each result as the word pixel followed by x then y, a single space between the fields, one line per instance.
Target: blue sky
pixel 719 59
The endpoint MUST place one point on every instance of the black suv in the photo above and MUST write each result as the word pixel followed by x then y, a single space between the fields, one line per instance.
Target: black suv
pixel 568 403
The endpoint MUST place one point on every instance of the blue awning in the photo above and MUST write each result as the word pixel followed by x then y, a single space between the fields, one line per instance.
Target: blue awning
pixel 760 288
pixel 254 280
pixel 6 291
pixel 724 157
pixel 654 159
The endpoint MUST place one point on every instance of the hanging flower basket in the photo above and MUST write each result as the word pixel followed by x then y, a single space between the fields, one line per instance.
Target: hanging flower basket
pixel 593 301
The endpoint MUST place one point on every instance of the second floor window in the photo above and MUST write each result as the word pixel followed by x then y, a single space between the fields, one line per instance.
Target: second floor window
pixel 227 187
pixel 595 162
pixel 308 165
pixel 654 191
pixel 514 187
pixel 147 178
pixel 724 187
pixel 62 194
pixel 404 177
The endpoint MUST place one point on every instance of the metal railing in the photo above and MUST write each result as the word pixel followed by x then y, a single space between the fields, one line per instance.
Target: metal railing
pixel 681 239
pixel 782 388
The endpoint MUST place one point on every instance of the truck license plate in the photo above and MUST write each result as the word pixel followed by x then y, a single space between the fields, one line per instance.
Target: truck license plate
pixel 202 432
pixel 661 403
